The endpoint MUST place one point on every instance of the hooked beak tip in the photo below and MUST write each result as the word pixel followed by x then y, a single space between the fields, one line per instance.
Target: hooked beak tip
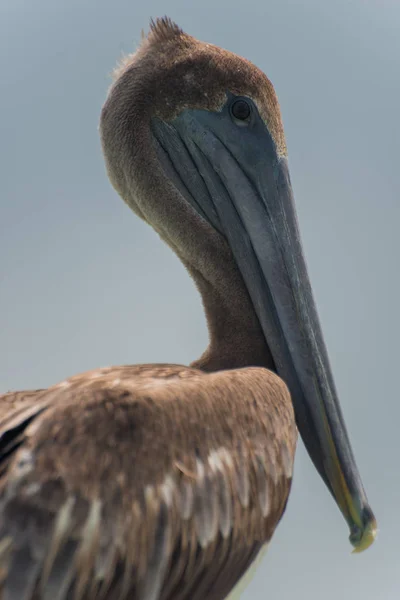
pixel 363 538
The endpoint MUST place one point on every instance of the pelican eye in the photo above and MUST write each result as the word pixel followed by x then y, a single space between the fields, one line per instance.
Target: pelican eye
pixel 240 110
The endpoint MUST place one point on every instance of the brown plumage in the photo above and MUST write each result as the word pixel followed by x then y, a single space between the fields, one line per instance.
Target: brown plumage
pixel 155 482
pixel 149 481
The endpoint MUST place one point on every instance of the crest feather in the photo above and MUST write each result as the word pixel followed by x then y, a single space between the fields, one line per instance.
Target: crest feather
pixel 163 29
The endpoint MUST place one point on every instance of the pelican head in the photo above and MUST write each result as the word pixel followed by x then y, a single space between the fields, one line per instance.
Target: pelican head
pixel 194 143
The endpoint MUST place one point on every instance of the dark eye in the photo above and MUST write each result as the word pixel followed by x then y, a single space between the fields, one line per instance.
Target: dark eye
pixel 241 110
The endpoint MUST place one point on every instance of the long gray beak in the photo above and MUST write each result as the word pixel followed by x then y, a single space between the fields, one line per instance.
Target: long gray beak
pixel 234 178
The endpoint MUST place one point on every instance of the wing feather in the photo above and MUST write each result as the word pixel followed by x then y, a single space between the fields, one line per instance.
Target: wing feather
pixel 112 487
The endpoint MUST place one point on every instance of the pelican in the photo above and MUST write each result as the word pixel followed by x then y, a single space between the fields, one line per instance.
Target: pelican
pixel 165 482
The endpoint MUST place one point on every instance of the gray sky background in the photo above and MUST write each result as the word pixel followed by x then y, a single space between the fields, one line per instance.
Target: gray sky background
pixel 84 283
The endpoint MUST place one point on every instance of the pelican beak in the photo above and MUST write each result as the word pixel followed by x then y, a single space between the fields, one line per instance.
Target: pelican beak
pixel 234 177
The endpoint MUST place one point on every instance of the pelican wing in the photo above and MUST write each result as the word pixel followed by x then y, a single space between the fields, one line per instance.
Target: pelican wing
pixel 141 482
